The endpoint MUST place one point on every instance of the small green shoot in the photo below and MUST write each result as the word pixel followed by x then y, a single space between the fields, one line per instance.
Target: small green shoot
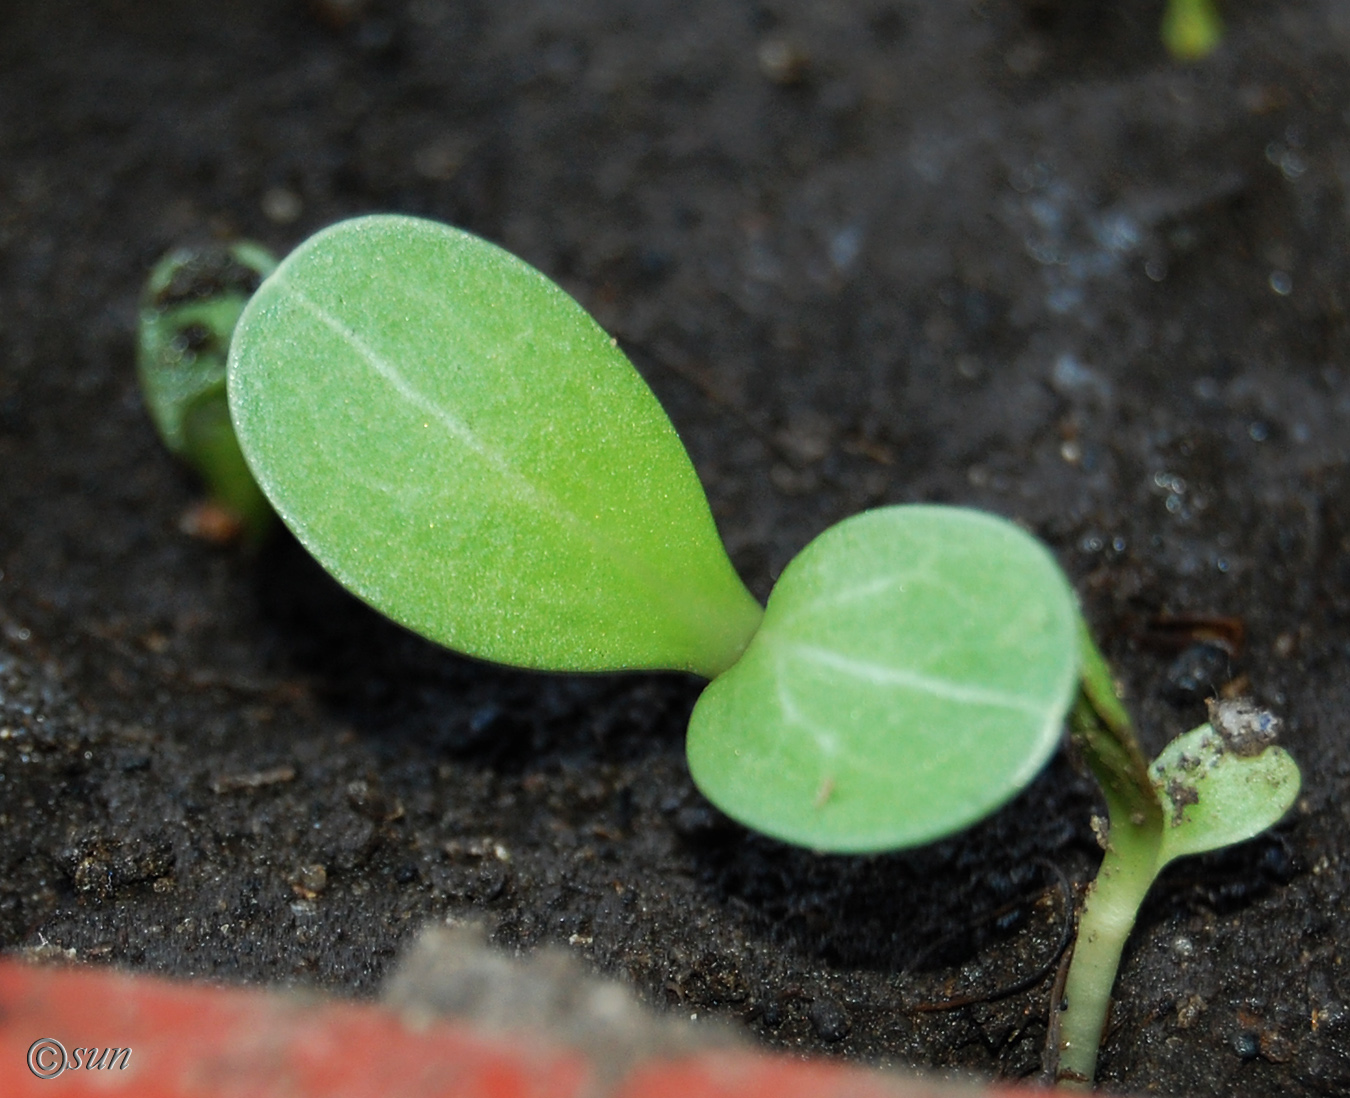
pixel 1219 784
pixel 461 445
pixel 1191 29
pixel 192 300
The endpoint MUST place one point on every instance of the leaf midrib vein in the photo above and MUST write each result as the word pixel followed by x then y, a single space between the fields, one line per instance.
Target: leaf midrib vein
pixel 935 686
pixel 546 501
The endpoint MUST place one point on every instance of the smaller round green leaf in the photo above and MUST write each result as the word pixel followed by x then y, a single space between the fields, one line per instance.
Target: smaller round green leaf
pixel 1224 782
pixel 911 674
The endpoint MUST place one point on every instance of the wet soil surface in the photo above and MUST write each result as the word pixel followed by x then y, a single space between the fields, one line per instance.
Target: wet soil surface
pixel 1001 253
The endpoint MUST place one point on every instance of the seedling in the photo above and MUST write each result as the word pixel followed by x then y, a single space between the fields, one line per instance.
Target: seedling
pixel 461 445
pixel 1219 784
pixel 191 303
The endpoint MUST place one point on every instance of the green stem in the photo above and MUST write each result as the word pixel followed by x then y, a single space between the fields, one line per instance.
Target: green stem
pixel 1109 909
pixel 214 451
pixel 1104 735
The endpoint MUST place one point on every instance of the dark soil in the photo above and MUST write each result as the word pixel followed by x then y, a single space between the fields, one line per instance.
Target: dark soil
pixel 1001 253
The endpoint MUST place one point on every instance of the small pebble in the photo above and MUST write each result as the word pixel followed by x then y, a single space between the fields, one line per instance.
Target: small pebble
pixel 232 783
pixel 280 206
pixel 783 62
pixel 1198 673
pixel 309 880
pixel 1189 1011
pixel 829 1020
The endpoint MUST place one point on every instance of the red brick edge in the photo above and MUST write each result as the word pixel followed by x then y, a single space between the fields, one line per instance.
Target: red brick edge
pixel 204 1041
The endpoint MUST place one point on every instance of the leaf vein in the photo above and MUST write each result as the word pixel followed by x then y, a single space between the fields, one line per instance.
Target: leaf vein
pixel 915 680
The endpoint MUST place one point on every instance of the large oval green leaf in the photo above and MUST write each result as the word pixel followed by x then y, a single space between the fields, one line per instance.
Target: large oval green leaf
pixel 911 674
pixel 461 445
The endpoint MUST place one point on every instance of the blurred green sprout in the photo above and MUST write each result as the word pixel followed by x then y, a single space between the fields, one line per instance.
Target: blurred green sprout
pixel 1191 29
pixel 191 303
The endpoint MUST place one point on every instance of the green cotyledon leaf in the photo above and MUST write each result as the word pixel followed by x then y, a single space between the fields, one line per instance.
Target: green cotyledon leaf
pixel 1223 782
pixel 462 446
pixel 912 673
